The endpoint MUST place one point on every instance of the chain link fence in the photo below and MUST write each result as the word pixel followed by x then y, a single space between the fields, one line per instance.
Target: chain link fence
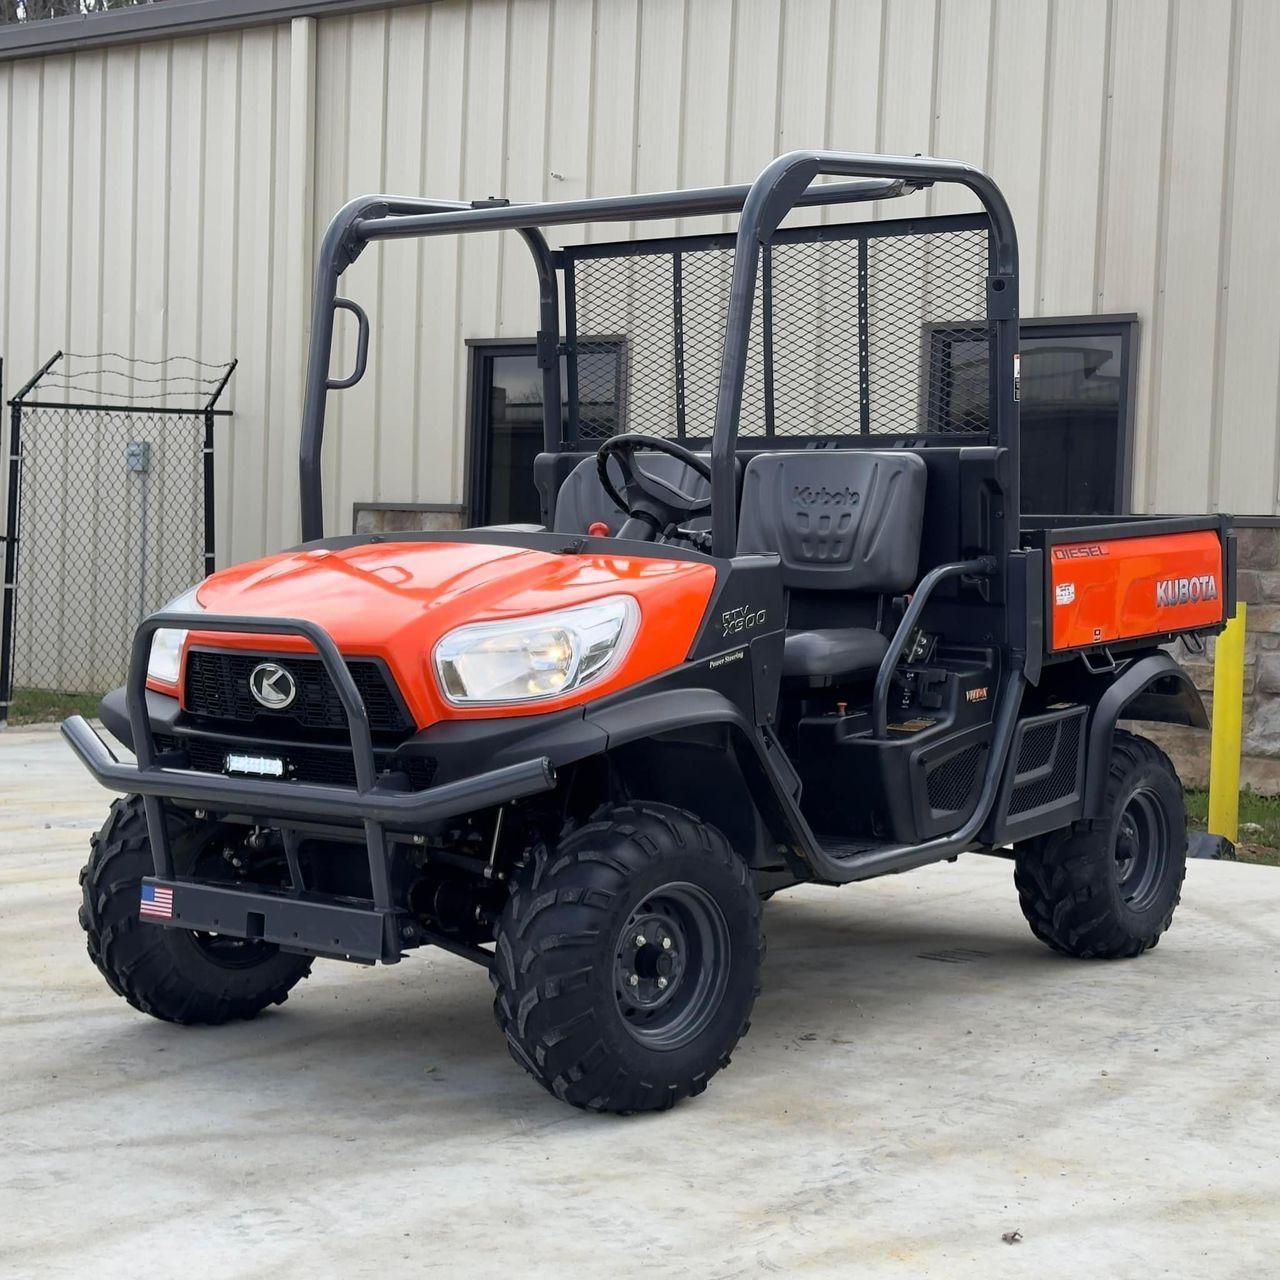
pixel 873 328
pixel 110 514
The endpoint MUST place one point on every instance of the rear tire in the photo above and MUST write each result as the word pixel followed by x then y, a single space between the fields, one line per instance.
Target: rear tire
pixel 172 974
pixel 628 959
pixel 1111 891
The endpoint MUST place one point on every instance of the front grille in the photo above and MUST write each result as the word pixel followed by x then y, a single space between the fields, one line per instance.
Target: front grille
pixel 217 687
pixel 334 768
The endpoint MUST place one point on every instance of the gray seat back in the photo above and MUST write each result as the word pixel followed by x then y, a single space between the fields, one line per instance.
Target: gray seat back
pixel 583 502
pixel 840 519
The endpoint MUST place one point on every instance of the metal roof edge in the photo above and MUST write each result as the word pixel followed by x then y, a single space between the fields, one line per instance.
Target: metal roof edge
pixel 166 20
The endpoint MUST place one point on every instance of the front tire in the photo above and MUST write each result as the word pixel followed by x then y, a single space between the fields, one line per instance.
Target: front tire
pixel 175 975
pixel 628 959
pixel 1109 892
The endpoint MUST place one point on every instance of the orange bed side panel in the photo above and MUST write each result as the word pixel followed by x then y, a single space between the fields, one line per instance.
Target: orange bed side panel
pixel 1125 588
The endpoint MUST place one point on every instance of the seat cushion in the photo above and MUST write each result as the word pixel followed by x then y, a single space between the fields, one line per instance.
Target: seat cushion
pixel 845 520
pixel 834 651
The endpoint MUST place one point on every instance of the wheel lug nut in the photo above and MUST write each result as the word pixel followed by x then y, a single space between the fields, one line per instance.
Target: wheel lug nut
pixel 634 979
pixel 639 939
pixel 662 984
pixel 666 944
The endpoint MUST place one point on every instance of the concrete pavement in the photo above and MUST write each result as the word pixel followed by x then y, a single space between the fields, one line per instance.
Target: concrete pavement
pixel 921 1077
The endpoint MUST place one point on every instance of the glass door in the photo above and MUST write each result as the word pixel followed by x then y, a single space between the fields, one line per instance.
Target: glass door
pixel 506 434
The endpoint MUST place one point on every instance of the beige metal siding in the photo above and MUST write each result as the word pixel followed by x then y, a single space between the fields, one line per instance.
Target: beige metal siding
pixel 165 198
pixel 144 215
pixel 1192 229
pixel 1247 458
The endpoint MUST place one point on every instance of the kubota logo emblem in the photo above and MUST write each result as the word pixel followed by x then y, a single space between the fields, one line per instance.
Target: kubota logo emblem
pixel 273 686
pixel 810 495
pixel 1174 591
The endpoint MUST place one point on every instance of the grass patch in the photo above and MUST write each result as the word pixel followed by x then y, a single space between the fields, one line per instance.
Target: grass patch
pixel 42 706
pixel 1259 825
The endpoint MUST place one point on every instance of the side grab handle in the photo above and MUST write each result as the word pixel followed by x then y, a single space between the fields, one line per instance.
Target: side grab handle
pixel 362 345
pixel 979 567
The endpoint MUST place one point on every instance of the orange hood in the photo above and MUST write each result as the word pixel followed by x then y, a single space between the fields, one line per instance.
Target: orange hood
pixel 396 600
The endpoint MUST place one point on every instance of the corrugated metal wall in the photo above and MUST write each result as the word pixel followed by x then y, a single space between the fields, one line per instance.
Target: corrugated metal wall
pixel 142 196
pixel 164 199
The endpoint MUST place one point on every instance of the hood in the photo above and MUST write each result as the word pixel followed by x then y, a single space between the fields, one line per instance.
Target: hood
pixel 395 600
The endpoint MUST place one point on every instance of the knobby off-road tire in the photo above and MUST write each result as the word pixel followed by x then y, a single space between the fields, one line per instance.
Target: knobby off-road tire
pixel 1110 892
pixel 172 974
pixel 628 959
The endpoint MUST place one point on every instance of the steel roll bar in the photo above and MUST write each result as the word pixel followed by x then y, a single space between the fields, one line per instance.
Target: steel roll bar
pixel 778 189
pixel 784 184
pixel 383 217
pixel 343 241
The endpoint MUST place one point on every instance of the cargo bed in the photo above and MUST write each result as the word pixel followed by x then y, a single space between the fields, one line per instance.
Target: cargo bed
pixel 1115 583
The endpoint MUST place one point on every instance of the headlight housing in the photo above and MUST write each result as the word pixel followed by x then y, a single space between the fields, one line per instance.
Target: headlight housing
pixel 545 655
pixel 165 662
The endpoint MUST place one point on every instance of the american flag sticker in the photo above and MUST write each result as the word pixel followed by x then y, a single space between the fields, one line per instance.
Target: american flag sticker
pixel 157 902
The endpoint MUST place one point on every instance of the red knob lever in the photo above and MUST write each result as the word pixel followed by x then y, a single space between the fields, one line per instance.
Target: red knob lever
pixel 598 529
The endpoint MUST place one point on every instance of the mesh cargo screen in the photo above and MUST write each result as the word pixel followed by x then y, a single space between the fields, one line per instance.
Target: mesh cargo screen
pixel 866 329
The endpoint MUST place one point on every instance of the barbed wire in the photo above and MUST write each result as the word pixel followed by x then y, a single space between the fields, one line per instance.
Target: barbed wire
pixel 176 377
pixel 115 355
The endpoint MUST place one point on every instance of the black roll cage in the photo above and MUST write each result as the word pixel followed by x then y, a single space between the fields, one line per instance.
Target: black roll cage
pixel 784 184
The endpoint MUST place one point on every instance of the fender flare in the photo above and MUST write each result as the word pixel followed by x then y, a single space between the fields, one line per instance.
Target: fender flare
pixel 582 733
pixel 1153 688
pixel 674 709
pixel 660 712
pixel 772 783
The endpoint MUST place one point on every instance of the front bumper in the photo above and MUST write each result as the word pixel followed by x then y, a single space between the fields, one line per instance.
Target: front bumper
pixel 400 810
pixel 307 923
pixel 364 930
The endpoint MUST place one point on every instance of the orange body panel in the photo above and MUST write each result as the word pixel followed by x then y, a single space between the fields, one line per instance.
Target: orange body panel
pixel 1125 588
pixel 396 600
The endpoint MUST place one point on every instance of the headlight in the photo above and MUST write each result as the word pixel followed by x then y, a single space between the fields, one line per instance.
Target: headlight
pixel 166 644
pixel 543 656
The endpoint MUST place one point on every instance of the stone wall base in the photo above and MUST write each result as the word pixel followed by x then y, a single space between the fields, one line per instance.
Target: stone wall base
pixel 1189 751
pixel 406 517
pixel 1258 585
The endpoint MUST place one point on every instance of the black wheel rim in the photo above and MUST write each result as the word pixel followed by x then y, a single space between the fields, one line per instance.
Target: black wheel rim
pixel 1142 849
pixel 671 966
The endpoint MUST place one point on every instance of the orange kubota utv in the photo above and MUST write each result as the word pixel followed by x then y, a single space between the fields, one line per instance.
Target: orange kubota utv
pixel 783 622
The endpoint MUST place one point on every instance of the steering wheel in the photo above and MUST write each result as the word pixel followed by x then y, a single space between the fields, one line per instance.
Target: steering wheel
pixel 652 504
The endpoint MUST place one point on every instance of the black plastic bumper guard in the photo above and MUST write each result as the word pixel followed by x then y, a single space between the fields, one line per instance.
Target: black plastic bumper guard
pixel 291 918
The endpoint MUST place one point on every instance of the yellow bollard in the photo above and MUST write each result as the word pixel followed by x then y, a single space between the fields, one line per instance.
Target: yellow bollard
pixel 1228 708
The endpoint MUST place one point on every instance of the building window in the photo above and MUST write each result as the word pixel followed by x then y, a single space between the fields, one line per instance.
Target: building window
pixel 1077 416
pixel 505 431
pixel 1077 389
